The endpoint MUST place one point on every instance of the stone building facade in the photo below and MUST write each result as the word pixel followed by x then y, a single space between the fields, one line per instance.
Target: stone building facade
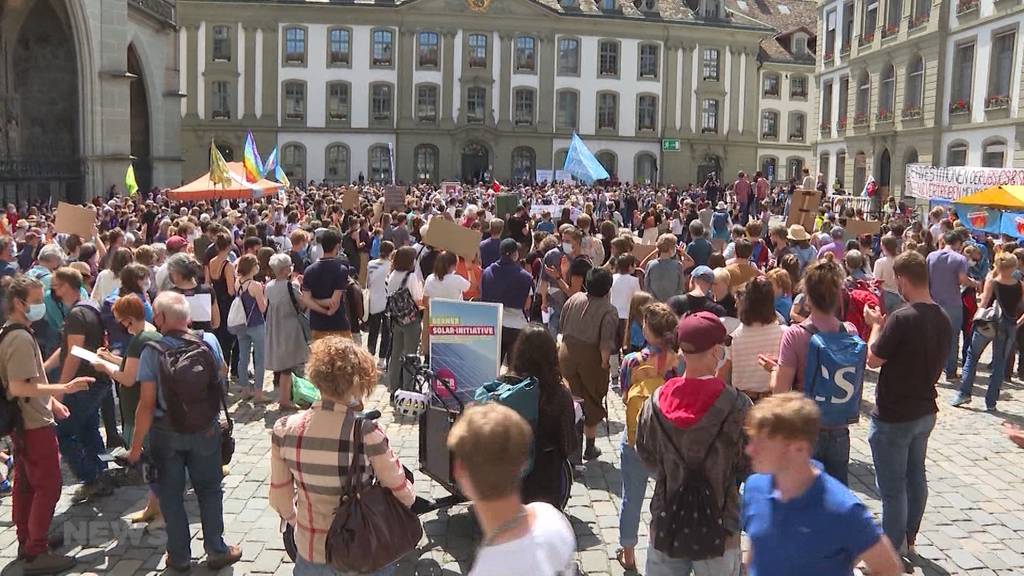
pixel 660 90
pixel 86 87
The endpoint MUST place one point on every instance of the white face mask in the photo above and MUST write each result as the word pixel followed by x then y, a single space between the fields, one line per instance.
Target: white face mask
pixel 567 247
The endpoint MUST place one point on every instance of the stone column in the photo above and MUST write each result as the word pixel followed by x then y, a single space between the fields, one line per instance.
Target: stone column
pixel 192 82
pixel 670 83
pixel 447 78
pixel 250 72
pixel 547 55
pixel 505 96
pixel 406 62
pixel 686 101
pixel 735 85
pixel 271 89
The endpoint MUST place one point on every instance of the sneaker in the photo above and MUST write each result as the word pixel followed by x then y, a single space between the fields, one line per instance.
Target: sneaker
pixel 179 568
pixel 592 453
pixel 48 563
pixel 5 488
pixel 381 364
pixel 96 489
pixel 960 401
pixel 234 554
pixel 990 409
pixel 953 379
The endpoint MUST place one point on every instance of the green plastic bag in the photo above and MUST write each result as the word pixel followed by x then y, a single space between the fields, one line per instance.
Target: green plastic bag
pixel 304 393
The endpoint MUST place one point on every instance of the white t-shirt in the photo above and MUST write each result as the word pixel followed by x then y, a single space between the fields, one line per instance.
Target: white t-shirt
pixel 377 272
pixel 884 272
pixel 451 287
pixel 547 550
pixel 623 288
pixel 414 286
pixel 106 282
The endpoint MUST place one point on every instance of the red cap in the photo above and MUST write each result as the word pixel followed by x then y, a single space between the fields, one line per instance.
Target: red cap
pixel 176 243
pixel 699 332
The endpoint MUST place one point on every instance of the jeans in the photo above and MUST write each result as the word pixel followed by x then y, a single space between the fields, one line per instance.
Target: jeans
pixel 37 484
pixel 404 340
pixel 833 451
pixel 660 564
pixel 553 322
pixel 956 320
pixel 251 342
pixel 1003 345
pixel 378 325
pixel 898 451
pixel 228 346
pixel 197 455
pixel 634 488
pixel 79 434
pixel 304 567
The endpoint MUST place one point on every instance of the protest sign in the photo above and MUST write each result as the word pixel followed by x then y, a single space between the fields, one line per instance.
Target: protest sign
pixel 394 198
pixel 804 208
pixel 858 228
pixel 465 344
pixel 536 210
pixel 446 235
pixel 641 251
pixel 563 176
pixel 73 219
pixel 450 189
pixel 505 205
pixel 545 176
pixel 350 199
pixel 954 182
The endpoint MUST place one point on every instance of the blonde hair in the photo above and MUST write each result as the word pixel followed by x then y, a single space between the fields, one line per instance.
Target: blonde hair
pixel 1006 261
pixel 780 278
pixel 638 305
pixel 492 443
pixel 788 416
pixel 341 369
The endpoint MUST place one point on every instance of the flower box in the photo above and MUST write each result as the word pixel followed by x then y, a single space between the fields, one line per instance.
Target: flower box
pixel 769 136
pixel 860 119
pixel 866 39
pixel 890 30
pixel 796 137
pixel 829 56
pixel 911 112
pixel 883 116
pixel 959 107
pixel 825 126
pixel 966 6
pixel 919 20
pixel 996 102
pixel 842 123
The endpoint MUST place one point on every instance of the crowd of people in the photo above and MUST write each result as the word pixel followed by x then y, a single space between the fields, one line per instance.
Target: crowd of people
pixel 737 345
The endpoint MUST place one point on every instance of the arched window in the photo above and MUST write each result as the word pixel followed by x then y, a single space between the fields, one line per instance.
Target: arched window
pixel 380 164
pixel 794 168
pixel 607 159
pixel 993 153
pixel 915 88
pixel 646 171
pixel 293 158
pixel 797 126
pixel 770 125
pixel 560 157
pixel 863 98
pixel 336 169
pixel 770 168
pixel 426 162
pixel 956 154
pixel 887 96
pixel 567 109
pixel 523 164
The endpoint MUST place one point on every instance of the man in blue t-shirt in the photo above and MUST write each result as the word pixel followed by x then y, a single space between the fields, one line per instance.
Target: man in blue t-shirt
pixel 799 519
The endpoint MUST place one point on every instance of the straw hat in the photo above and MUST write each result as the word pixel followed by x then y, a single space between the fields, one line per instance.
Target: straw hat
pixel 797 233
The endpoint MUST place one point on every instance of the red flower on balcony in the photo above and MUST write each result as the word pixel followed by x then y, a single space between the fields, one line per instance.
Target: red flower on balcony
pixel 911 111
pixel 998 101
pixel 884 115
pixel 964 6
pixel 919 20
pixel 867 38
pixel 890 30
pixel 842 123
pixel 961 106
pixel 825 126
pixel 829 56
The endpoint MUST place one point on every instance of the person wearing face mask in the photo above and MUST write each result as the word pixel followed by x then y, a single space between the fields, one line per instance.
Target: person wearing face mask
pixel 134 279
pixel 35 440
pixel 565 267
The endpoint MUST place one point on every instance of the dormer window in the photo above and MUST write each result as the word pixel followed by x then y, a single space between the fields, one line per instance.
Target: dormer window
pixel 645 5
pixel 711 9
pixel 799 44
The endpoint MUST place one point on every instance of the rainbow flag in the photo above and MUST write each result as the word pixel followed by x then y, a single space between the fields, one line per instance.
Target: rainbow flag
pixel 251 160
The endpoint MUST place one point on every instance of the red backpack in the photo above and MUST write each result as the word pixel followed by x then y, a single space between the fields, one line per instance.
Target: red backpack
pixel 856 295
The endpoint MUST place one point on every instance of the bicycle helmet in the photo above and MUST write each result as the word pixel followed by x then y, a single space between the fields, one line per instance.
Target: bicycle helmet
pixel 410 404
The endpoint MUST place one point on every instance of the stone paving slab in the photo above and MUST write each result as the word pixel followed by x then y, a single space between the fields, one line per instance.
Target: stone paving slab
pixel 974 522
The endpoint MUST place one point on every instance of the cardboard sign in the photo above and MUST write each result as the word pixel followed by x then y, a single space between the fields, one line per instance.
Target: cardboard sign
pixel 450 189
pixel 77 220
pixel 641 251
pixel 350 199
pixel 857 228
pixel 804 208
pixel 447 235
pixel 505 205
pixel 394 198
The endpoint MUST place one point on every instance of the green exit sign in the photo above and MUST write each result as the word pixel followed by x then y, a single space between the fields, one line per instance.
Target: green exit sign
pixel 670 145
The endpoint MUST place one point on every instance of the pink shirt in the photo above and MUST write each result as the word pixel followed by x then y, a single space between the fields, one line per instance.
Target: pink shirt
pixel 795 341
pixel 762 189
pixel 742 189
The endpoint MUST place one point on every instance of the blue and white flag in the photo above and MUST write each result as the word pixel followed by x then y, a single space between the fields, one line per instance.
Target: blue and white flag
pixel 581 163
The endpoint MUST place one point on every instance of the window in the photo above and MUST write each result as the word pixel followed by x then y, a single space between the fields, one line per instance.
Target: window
pixel 797 126
pixel 647 113
pixel 339 102
pixel 794 167
pixel 380 164
pixel 523 164
pixel 709 116
pixel 607 159
pixel 426 103
pixel 221 101
pixel 294 101
pixel 339 47
pixel 711 64
pixel 221 44
pixel 848 27
pixel 770 167
pixel 609 5
pixel 383 44
pixel 798 87
pixel 712 9
pixel 1001 73
pixel 475 104
pixel 798 44
pixel 870 21
pixel 956 155
pixel 963 74
pixel 336 170
pixel 607 111
pixel 915 85
pixel 863 97
pixel 993 154
pixel 841 167
pixel 609 58
pixel 826 106
pixel 523 99
pixel 295 45
pixel 426 162
pixel 894 10
pixel 293 157
pixel 525 54
pixel 568 56
pixel 567 112
pixel 477 51
pixel 428 49
pixel 649 61
pixel 645 5
pixel 921 10
pixel 646 168
pixel 830 34
pixel 887 95
pixel 380 102
pixel 771 85
pixel 844 100
pixel 770 125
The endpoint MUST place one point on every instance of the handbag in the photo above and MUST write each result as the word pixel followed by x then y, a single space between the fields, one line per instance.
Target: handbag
pixel 303 319
pixel 227 439
pixel 987 319
pixel 371 528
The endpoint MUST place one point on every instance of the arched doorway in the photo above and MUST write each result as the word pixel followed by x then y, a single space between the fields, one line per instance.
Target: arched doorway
pixel 884 172
pixel 139 118
pixel 711 163
pixel 860 172
pixel 646 171
pixel 476 160
pixel 39 103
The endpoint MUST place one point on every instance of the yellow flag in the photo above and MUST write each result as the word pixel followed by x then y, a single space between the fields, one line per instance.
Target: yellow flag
pixel 129 181
pixel 219 171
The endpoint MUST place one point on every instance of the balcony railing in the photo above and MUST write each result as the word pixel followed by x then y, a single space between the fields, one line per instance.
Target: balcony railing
pixel 841 124
pixel 966 6
pixel 890 30
pixel 919 20
pixel 40 169
pixel 866 39
pixel 860 119
pixel 159 9
pixel 911 112
pixel 997 102
pixel 883 116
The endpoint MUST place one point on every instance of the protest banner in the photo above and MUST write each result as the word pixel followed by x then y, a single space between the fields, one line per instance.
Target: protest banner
pixel 857 228
pixel 350 199
pixel 394 198
pixel 450 189
pixel 563 176
pixel 545 176
pixel 536 210
pixel 946 184
pixel 804 208
pixel 465 344
pixel 77 220
pixel 446 235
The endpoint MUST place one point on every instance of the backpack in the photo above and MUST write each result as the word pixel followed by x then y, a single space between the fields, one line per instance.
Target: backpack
pixel 238 316
pixel 691 525
pixel 400 307
pixel 523 397
pixel 10 412
pixel 856 296
pixel 354 301
pixel 760 254
pixel 834 374
pixel 644 382
pixel 190 380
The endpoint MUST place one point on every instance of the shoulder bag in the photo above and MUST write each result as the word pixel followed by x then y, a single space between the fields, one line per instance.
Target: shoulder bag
pixel 303 319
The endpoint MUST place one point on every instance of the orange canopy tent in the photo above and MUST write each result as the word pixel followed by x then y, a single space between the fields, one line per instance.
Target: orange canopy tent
pixel 202 189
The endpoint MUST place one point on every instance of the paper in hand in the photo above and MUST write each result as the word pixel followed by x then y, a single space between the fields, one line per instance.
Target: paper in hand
pixel 92 358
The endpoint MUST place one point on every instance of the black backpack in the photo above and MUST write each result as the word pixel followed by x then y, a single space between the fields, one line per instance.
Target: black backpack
pixel 190 380
pixel 10 412
pixel 401 307
pixel 691 524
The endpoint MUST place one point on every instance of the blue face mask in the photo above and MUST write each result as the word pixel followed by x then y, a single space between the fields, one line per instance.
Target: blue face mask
pixel 36 312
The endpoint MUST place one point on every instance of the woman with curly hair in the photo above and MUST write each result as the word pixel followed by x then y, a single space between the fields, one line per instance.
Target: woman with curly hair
pixel 345 373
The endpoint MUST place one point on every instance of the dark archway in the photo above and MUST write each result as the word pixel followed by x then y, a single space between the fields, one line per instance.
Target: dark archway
pixel 860 171
pixel 476 160
pixel 139 117
pixel 884 168
pixel 39 105
pixel 710 164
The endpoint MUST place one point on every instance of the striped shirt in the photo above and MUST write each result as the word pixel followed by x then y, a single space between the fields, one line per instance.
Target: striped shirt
pixel 310 462
pixel 747 342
